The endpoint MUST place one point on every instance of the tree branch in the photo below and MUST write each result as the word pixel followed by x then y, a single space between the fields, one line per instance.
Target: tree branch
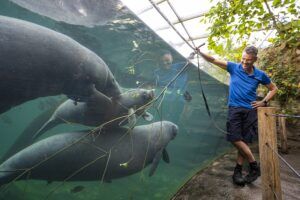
pixel 272 16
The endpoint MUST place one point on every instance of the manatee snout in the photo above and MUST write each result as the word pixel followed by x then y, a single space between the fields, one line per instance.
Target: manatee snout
pixel 170 130
pixel 152 94
pixel 148 95
pixel 174 131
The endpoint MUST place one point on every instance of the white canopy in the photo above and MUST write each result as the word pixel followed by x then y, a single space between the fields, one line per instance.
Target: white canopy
pixel 189 12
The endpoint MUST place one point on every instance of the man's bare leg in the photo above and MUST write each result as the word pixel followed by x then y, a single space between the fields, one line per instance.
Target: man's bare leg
pixel 237 176
pixel 245 152
pixel 240 158
pixel 244 149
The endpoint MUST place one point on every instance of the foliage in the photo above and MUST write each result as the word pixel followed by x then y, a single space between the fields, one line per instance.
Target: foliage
pixel 237 19
pixel 234 21
pixel 282 64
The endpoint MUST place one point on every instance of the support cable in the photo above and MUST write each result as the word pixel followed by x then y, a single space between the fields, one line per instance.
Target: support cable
pixel 285 115
pixel 170 23
pixel 285 162
pixel 181 22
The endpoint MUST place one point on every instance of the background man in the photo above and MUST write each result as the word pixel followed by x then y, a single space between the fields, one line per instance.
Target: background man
pixel 242 115
pixel 173 102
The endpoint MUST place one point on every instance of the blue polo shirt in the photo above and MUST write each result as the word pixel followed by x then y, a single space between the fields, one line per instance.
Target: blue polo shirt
pixel 242 86
pixel 164 76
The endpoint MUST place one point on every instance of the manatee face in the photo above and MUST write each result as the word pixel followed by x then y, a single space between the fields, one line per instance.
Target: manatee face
pixel 165 131
pixel 137 98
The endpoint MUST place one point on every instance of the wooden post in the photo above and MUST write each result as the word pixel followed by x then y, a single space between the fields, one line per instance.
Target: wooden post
pixel 269 164
pixel 283 135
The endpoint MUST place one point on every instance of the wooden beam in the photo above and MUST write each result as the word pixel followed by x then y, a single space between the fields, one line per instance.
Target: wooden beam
pixel 283 134
pixel 269 164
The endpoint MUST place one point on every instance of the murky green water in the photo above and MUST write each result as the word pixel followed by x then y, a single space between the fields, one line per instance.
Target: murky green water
pixel 197 143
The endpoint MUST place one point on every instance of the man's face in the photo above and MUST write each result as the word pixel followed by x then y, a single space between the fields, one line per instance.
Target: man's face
pixel 248 60
pixel 167 60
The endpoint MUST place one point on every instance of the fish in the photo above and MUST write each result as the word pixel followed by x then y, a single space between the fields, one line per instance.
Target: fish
pixel 187 96
pixel 77 188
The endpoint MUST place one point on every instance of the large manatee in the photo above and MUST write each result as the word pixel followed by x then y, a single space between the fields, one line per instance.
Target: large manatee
pixel 79 12
pixel 87 156
pixel 36 62
pixel 95 113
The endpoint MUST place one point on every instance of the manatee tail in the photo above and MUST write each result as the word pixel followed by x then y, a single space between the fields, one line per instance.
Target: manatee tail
pixel 51 123
pixel 6 177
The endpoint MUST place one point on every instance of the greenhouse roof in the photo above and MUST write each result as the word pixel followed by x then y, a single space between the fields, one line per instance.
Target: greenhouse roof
pixel 163 16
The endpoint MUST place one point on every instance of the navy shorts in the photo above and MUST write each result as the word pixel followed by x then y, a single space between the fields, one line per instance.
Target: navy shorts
pixel 241 124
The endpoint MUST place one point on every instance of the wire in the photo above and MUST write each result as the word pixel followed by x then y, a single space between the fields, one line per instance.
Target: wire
pixel 281 158
pixel 205 100
pixel 181 22
pixel 265 39
pixel 170 23
pixel 272 189
pixel 284 115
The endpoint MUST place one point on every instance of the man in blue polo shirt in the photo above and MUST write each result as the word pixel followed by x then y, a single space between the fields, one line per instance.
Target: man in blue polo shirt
pixel 242 114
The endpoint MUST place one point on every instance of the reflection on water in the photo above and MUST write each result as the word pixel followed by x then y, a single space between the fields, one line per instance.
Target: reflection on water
pixel 133 54
pixel 80 12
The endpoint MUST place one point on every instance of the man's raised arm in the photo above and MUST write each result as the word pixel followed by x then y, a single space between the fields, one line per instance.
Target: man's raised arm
pixel 220 63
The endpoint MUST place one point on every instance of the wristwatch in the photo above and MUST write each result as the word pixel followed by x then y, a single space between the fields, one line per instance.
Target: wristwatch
pixel 265 102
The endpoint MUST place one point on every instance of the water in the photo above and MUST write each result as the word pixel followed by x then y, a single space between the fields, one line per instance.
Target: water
pixel 131 51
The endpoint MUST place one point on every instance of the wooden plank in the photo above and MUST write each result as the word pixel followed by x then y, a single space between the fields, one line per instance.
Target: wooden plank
pixel 283 134
pixel 269 164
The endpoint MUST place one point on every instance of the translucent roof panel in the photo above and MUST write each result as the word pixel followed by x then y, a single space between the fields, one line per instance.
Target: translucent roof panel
pixel 188 11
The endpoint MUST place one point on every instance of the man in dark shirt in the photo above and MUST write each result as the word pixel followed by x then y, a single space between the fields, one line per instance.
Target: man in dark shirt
pixel 242 114
pixel 173 102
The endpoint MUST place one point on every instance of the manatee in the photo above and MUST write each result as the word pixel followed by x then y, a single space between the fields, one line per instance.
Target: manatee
pixel 95 113
pixel 36 61
pixel 87 13
pixel 89 156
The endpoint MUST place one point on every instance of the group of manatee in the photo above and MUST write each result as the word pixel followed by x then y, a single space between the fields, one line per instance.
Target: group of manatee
pixel 37 62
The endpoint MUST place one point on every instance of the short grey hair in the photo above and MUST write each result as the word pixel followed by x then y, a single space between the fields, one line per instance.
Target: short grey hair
pixel 165 52
pixel 251 50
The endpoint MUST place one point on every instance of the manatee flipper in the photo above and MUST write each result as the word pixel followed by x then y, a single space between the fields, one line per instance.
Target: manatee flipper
pixel 131 118
pixel 155 162
pixel 97 96
pixel 165 156
pixel 147 116
pixel 51 123
pixel 91 95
